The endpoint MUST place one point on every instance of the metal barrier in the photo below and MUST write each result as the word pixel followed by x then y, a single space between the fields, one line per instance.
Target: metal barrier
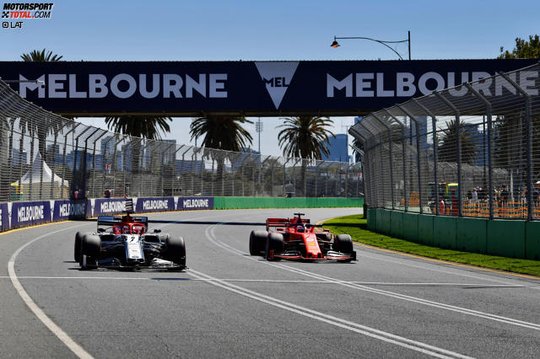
pixel 472 150
pixel 46 156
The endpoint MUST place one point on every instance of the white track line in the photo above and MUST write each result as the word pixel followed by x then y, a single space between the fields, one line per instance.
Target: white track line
pixel 211 236
pixel 286 281
pixel 55 329
pixel 341 323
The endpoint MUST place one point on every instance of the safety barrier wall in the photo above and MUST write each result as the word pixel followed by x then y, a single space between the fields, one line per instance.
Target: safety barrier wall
pixel 507 238
pixel 23 214
pixel 284 202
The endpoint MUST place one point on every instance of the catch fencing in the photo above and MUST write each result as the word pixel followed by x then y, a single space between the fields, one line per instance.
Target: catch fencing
pixel 46 156
pixel 471 151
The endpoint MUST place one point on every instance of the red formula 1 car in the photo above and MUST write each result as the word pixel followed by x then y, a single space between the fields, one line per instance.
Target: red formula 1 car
pixel 297 239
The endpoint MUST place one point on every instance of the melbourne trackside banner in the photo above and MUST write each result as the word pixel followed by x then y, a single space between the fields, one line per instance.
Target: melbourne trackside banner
pixel 69 209
pixel 105 206
pixel 30 213
pixel 247 87
pixel 4 217
pixel 154 204
pixel 194 203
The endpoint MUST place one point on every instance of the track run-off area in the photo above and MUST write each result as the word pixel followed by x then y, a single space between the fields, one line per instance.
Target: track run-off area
pixel 229 304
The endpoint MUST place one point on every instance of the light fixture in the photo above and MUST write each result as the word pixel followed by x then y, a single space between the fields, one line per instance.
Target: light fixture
pixel 336 44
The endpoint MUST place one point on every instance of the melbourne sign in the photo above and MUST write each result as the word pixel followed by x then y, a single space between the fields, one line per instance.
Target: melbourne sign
pixel 250 88
pixel 195 203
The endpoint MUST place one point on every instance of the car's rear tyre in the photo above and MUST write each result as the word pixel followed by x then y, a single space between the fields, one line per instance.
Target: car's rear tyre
pixel 274 245
pixel 343 243
pixel 175 251
pixel 90 250
pixel 257 242
pixel 77 247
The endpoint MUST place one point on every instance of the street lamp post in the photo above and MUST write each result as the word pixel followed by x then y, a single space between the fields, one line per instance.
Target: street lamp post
pixel 259 129
pixel 335 43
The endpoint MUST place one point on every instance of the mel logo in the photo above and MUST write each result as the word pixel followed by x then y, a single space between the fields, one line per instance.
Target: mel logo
pixel 277 77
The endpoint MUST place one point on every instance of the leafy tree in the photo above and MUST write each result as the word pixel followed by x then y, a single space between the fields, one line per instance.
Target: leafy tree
pixel 509 129
pixel 524 49
pixel 447 149
pixel 305 137
pixel 144 127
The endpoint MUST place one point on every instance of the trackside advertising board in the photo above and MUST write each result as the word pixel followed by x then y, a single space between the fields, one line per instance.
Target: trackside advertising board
pixel 4 217
pixel 155 204
pixel 105 206
pixel 195 203
pixel 30 213
pixel 69 209
pixel 246 87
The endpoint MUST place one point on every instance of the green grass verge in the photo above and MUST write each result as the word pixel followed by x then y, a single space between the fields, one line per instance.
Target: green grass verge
pixel 356 226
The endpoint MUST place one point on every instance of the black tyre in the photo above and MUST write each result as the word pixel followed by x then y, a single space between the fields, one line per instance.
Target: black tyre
pixel 257 242
pixel 175 251
pixel 77 247
pixel 90 250
pixel 324 236
pixel 274 245
pixel 343 243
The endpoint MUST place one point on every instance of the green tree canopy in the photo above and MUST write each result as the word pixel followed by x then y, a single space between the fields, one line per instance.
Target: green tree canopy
pixel 524 49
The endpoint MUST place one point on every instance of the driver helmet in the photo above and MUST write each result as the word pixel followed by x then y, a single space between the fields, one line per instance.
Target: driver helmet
pixel 300 228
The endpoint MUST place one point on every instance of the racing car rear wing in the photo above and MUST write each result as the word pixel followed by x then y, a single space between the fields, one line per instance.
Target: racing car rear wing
pixel 112 220
pixel 283 222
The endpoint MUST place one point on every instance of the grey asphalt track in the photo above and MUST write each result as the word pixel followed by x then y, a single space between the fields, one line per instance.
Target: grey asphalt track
pixel 231 305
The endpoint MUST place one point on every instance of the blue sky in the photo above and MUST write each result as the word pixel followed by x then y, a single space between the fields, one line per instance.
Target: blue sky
pixel 270 30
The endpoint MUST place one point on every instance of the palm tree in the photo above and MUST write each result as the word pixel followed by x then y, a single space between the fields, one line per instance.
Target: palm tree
pixel 144 127
pixel 41 127
pixel 448 148
pixel 223 133
pixel 305 137
pixel 41 56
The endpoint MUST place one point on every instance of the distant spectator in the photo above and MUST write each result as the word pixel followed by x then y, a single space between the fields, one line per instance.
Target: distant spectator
pixel 474 195
pixel 107 193
pixel 504 195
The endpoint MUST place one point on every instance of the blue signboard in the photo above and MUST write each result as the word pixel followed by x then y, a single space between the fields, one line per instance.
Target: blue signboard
pixel 104 206
pixel 154 204
pixel 30 213
pixel 4 217
pixel 244 87
pixel 69 209
pixel 195 203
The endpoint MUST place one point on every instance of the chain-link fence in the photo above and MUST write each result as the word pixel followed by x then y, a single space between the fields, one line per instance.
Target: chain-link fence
pixel 472 150
pixel 46 156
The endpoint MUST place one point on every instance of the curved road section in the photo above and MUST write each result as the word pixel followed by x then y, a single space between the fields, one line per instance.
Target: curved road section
pixel 230 305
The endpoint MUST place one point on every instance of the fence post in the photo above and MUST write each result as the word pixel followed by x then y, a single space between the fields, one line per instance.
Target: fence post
pixel 418 157
pixel 489 110
pixel 403 149
pixel 458 149
pixel 391 161
pixel 529 144
pixel 435 152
